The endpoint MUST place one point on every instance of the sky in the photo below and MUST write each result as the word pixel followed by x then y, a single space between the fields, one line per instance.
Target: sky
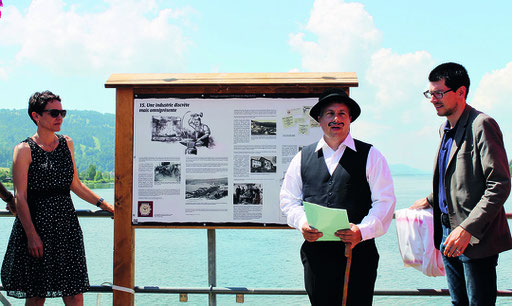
pixel 72 47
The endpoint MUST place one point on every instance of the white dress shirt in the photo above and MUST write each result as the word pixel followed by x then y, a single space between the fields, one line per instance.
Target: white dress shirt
pixel 378 175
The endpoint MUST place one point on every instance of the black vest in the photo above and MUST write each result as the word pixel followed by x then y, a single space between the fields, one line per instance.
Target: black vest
pixel 347 188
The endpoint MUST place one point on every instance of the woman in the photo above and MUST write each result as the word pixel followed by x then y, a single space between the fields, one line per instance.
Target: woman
pixel 45 256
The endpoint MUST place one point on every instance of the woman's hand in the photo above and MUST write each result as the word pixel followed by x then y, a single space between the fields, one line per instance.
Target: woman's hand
pixel 35 246
pixel 107 206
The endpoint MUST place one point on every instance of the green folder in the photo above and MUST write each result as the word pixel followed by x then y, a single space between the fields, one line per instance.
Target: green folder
pixel 326 220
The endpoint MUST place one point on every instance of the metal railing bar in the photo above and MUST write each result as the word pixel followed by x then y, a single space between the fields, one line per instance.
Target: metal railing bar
pixel 80 212
pixel 105 214
pixel 271 291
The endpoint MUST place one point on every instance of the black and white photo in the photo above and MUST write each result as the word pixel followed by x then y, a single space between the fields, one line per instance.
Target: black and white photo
pixel 263 127
pixel 263 164
pixel 191 135
pixel 206 189
pixel 167 172
pixel 247 193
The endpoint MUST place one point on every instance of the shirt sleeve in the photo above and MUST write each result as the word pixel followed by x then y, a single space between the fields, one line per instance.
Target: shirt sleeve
pixel 291 194
pixel 377 222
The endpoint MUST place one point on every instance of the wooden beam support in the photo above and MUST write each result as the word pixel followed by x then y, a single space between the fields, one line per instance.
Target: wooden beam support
pixel 124 237
pixel 345 79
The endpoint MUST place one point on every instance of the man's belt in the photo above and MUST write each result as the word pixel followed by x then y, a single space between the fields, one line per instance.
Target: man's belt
pixel 445 220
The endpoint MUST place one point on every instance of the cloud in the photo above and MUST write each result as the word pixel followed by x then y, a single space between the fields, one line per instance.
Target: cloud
pixel 367 129
pixel 397 82
pixel 493 97
pixel 395 115
pixel 494 91
pixel 346 39
pixel 127 36
pixel 399 78
pixel 345 33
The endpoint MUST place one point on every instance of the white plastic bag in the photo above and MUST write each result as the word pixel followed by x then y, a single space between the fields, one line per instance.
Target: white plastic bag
pixel 415 229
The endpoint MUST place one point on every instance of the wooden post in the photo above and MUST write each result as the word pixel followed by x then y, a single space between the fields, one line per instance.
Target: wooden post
pixel 124 238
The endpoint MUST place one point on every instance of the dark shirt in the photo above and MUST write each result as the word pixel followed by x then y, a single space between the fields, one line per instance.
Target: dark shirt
pixel 444 156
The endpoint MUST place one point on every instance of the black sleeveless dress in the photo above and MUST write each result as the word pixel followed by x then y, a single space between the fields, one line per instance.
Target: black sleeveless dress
pixel 62 270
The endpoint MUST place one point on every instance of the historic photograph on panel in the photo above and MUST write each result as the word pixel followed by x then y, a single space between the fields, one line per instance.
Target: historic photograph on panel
pixel 263 127
pixel 247 193
pixel 189 130
pixel 263 164
pixel 167 172
pixel 209 189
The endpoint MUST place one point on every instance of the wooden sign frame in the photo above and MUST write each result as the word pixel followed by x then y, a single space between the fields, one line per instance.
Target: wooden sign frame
pixel 128 85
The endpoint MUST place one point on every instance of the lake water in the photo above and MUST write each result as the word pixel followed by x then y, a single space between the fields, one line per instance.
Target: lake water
pixel 245 258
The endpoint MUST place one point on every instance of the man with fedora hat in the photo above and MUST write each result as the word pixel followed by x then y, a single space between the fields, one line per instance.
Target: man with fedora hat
pixel 339 172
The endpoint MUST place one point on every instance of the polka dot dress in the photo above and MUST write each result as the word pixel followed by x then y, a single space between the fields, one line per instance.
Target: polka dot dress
pixel 62 270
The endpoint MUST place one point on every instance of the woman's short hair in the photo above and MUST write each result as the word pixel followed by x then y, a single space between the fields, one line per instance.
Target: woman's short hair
pixel 38 101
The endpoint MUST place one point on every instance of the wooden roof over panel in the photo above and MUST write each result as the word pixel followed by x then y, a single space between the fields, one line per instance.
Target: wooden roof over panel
pixel 138 80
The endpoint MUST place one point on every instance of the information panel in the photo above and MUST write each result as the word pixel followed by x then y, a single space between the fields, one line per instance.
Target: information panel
pixel 219 160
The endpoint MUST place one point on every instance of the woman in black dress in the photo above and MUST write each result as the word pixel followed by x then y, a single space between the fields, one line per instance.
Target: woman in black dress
pixel 45 256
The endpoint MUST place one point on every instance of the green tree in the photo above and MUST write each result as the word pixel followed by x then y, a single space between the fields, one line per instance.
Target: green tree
pixel 82 175
pixel 91 172
pixel 98 176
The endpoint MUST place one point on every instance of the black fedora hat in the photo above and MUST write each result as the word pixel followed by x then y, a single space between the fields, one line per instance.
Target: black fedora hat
pixel 335 95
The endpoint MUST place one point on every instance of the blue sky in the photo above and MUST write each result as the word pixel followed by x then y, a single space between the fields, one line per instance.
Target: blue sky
pixel 72 47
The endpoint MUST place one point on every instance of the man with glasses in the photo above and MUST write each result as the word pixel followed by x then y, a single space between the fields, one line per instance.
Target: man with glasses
pixel 339 172
pixel 471 184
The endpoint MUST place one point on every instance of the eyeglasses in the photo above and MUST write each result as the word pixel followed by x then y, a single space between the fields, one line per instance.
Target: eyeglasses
pixel 438 94
pixel 56 112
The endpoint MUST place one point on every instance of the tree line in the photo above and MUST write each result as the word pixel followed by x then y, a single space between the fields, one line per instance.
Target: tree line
pixel 93 134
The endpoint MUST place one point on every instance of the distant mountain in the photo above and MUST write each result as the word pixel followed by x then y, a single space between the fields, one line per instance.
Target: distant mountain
pixel 93 134
pixel 401 169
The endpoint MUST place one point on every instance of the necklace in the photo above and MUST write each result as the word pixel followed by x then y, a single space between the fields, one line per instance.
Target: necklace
pixel 47 147
pixel 48 164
